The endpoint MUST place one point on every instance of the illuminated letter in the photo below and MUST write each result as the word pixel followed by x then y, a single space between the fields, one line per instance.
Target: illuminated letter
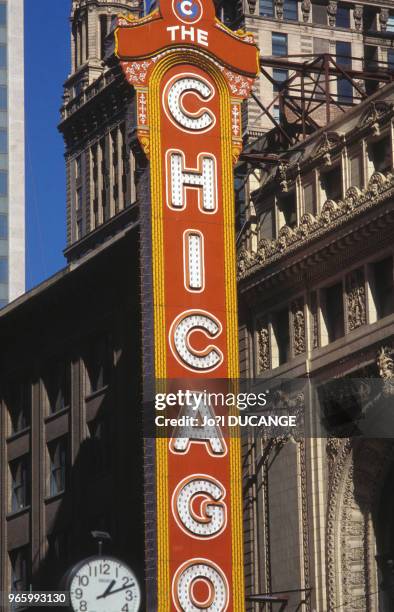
pixel 209 434
pixel 183 327
pixel 203 178
pixel 193 256
pixel 200 121
pixel 186 580
pixel 211 518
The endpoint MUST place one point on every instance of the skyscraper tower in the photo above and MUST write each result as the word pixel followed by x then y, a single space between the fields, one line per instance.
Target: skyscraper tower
pixel 100 166
pixel 12 148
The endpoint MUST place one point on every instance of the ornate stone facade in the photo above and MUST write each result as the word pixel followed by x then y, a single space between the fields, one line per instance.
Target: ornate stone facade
pixel 336 251
pixel 355 295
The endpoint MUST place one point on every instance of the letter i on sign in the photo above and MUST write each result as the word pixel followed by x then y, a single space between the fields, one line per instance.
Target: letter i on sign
pixel 190 76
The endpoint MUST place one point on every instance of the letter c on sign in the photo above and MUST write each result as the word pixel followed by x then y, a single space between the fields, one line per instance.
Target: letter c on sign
pixel 200 121
pixel 195 573
pixel 179 338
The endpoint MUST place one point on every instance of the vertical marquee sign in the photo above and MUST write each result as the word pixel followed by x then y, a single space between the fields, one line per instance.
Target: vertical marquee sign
pixel 191 74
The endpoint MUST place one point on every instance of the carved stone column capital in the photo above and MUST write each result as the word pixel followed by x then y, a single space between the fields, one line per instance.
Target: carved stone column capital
pixel 306 9
pixel 383 18
pixel 252 6
pixel 332 12
pixel 358 16
pixel 297 311
pixel 356 301
pixel 279 9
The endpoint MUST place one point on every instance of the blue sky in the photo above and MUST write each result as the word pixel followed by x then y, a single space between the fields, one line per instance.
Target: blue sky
pixel 47 63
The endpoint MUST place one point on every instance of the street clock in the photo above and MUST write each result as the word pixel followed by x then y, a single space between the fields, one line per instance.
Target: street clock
pixel 103 584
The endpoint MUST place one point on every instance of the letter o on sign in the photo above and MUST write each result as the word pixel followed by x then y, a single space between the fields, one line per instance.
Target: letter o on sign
pixel 194 577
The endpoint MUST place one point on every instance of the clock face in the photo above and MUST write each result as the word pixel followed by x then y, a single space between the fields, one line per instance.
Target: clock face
pixel 104 584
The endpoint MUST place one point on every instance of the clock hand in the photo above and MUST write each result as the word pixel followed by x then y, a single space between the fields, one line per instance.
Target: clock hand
pixel 107 590
pixel 123 588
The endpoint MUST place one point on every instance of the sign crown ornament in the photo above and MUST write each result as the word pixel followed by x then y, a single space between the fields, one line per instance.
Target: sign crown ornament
pixel 191 74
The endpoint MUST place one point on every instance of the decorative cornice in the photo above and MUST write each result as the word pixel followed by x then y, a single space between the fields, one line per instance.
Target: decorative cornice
pixel 332 216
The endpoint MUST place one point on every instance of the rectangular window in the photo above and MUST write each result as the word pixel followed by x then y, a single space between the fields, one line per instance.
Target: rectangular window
pixel 3 226
pixel 279 76
pixel 331 183
pixel 390 23
pixel 343 16
pixel 3 183
pixel 78 203
pixel 287 208
pixel 334 313
pixel 371 58
pixel 390 58
pixel 3 97
pixel 309 199
pixel 267 225
pixel 78 167
pixel 79 230
pixel 18 400
pixel 319 12
pixel 20 483
pixel 3 14
pixel 58 387
pixel 266 8
pixel 276 112
pixel 98 364
pixel 356 171
pixel 103 33
pixel 3 56
pixel 282 335
pixel 290 10
pixel 379 153
pixel 20 569
pixel 343 51
pixel 343 58
pixel 384 287
pixel 58 466
pixel 3 269
pixel 369 19
pixel 279 44
pixel 3 141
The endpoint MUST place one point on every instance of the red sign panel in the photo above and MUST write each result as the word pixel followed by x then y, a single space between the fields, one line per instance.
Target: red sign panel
pixel 191 74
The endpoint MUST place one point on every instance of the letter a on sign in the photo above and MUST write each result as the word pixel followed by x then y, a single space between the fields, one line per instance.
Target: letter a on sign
pixel 189 75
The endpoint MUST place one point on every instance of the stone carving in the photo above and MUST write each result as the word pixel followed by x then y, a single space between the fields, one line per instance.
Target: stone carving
pixel 283 403
pixel 244 260
pixel 385 364
pixel 279 9
pixel 375 113
pixel 252 6
pixel 306 9
pixel 355 296
pixel 282 176
pixel 315 321
pixel 325 147
pixel 349 520
pixel 383 18
pixel 297 311
pixel 356 201
pixel 264 346
pixel 332 12
pixel 358 16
